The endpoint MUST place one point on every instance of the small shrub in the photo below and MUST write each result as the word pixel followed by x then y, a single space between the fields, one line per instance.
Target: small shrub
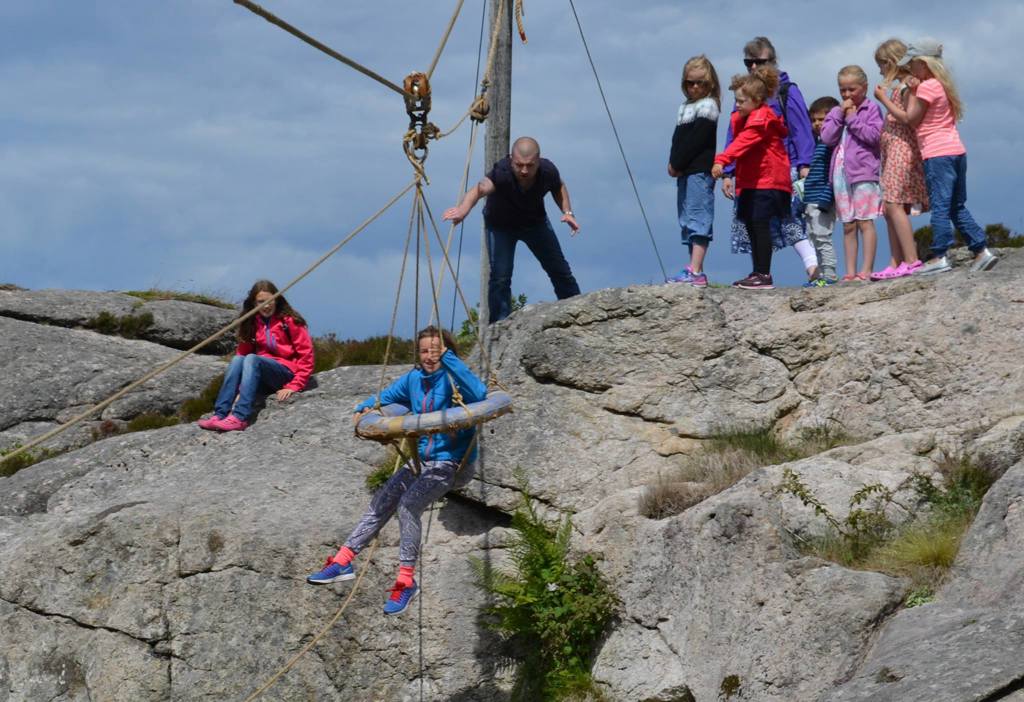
pixel 468 333
pixel 552 608
pixel 924 547
pixel 151 420
pixel 382 473
pixel 105 430
pixel 194 408
pixel 129 326
pixel 10 466
pixel 331 352
pixel 200 298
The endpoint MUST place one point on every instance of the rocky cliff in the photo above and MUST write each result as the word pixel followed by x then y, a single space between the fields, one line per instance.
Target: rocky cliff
pixel 169 564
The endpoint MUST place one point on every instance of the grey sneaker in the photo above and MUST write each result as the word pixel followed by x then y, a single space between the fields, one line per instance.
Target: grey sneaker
pixel 934 265
pixel 984 261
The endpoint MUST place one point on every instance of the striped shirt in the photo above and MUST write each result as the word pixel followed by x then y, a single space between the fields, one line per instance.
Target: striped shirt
pixel 817 185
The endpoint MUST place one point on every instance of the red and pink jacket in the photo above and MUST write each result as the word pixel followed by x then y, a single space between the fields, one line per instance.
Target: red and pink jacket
pixel 759 151
pixel 285 341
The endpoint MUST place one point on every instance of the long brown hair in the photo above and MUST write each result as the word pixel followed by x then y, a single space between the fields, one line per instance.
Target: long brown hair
pixel 759 85
pixel 711 83
pixel 433 332
pixel 247 329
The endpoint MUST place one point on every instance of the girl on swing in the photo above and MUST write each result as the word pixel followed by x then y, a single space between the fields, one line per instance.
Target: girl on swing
pixel 426 388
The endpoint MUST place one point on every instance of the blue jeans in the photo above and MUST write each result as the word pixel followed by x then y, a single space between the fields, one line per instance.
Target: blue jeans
pixel 245 377
pixel 695 203
pixel 946 178
pixel 543 244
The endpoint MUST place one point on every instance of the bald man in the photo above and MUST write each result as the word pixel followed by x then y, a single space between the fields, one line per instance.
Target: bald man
pixel 514 212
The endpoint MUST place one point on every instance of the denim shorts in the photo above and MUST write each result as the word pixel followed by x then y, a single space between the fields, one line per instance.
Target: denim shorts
pixel 695 202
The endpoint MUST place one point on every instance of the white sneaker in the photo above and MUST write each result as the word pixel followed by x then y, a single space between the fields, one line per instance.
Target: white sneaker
pixel 935 265
pixel 984 261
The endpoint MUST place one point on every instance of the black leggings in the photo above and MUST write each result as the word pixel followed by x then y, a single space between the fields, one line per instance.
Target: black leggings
pixel 760 233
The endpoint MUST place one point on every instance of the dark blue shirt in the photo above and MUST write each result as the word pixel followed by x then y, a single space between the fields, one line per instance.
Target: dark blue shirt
pixel 511 207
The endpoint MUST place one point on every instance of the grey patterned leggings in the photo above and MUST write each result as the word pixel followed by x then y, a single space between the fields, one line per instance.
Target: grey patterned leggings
pixel 410 494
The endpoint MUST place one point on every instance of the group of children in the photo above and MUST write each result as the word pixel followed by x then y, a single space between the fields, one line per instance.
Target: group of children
pixel 789 190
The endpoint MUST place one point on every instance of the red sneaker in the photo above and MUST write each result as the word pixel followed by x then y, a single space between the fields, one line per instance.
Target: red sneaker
pixel 210 423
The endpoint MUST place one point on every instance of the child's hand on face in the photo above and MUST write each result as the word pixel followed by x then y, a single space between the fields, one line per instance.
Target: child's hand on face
pixel 848 107
pixel 913 82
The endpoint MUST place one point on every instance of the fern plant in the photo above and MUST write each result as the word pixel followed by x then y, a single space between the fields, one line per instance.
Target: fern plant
pixel 552 608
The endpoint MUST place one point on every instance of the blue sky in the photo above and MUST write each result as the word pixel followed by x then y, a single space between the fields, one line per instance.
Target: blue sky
pixel 192 145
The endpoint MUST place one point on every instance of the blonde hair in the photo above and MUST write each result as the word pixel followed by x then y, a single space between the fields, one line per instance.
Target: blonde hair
pixel 702 63
pixel 887 55
pixel 940 73
pixel 759 85
pixel 853 71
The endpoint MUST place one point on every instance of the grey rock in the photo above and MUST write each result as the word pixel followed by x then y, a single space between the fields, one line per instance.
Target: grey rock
pixel 177 324
pixel 61 372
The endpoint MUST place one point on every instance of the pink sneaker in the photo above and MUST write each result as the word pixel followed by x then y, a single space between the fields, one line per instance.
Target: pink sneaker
pixel 914 267
pixel 231 423
pixel 884 274
pixel 210 423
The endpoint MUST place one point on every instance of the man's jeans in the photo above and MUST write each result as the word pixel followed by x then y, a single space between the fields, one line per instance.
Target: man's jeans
pixel 245 377
pixel 543 243
pixel 946 178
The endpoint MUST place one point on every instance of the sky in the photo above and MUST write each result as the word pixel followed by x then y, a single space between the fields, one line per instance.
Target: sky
pixel 190 145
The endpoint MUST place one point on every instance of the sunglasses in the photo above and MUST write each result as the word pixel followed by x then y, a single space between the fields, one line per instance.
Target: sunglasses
pixel 694 83
pixel 751 62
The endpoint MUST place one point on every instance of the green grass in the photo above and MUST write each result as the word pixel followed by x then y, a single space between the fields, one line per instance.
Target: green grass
pixel 195 407
pixel 200 298
pixel 727 458
pixel 151 420
pixel 129 326
pixel 383 471
pixel 10 466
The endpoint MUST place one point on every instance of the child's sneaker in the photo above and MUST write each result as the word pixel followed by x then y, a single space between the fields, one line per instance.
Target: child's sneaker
pixel 699 280
pixel 331 573
pixel 755 281
pixel 400 598
pixel 231 423
pixel 936 265
pixel 684 276
pixel 984 261
pixel 210 423
pixel 819 283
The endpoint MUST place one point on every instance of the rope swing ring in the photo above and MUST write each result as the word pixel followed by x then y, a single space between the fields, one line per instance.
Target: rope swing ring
pixel 394 422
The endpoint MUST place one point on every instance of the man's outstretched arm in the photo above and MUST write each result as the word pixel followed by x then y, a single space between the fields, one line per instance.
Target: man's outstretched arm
pixel 562 200
pixel 458 213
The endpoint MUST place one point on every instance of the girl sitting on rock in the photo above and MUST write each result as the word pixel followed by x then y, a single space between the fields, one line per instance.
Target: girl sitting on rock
pixel 426 388
pixel 275 354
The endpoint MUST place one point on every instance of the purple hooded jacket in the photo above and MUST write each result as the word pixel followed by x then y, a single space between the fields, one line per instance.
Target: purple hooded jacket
pixel 862 145
pixel 800 142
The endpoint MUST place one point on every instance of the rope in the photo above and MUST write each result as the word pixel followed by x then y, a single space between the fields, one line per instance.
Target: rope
pixel 622 151
pixel 185 354
pixel 444 39
pixel 519 20
pixel 472 136
pixel 394 310
pixel 295 32
pixel 320 634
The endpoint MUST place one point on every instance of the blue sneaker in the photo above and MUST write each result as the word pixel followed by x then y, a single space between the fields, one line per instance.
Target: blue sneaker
pixel 819 283
pixel 332 573
pixel 400 598
pixel 684 276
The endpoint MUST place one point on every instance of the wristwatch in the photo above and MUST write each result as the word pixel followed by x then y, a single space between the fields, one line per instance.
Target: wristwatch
pixel 568 213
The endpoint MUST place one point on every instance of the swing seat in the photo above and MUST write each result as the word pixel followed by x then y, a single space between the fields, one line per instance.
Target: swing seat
pixel 396 421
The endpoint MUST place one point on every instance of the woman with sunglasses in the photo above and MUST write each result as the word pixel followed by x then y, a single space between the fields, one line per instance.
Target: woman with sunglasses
pixel 789 104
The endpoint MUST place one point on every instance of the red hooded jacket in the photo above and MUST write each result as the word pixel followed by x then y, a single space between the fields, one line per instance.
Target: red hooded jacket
pixel 289 345
pixel 759 151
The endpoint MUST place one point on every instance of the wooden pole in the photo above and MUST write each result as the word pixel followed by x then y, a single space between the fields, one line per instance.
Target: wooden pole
pixel 496 146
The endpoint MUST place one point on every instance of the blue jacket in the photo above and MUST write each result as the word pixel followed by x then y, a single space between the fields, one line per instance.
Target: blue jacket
pixel 428 392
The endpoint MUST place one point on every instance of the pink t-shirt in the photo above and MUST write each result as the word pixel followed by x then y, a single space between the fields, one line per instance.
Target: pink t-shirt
pixel 937 134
